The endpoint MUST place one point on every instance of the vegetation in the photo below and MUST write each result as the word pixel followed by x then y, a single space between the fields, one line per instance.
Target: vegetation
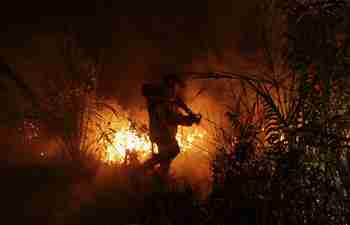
pixel 305 126
pixel 284 160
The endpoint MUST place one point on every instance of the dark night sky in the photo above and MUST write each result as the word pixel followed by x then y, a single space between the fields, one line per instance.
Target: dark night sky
pixel 134 47
pixel 210 24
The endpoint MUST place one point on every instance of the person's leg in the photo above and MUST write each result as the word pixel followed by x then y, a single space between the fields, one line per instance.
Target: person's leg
pixel 167 157
pixel 167 152
pixel 150 163
pixel 164 168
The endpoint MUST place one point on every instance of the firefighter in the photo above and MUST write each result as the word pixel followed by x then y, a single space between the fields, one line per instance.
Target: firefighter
pixel 165 114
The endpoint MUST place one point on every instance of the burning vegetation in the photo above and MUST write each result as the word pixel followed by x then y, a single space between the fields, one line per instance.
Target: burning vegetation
pixel 281 157
pixel 126 139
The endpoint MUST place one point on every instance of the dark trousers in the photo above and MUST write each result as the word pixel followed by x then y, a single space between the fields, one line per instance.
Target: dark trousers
pixel 167 151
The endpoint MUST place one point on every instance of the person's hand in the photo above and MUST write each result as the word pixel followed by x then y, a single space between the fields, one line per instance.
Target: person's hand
pixel 196 118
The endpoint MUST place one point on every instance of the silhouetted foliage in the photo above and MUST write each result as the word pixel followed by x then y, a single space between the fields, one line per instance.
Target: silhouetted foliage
pixel 305 126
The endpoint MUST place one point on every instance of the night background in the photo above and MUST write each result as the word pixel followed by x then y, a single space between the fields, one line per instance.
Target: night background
pixel 270 79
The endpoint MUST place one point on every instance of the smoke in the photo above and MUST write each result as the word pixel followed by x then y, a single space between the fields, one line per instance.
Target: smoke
pixel 133 50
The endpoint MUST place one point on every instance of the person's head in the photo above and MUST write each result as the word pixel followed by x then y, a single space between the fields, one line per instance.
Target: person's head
pixel 173 81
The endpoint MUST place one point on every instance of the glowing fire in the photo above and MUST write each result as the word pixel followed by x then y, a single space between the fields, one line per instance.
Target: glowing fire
pixel 188 137
pixel 126 138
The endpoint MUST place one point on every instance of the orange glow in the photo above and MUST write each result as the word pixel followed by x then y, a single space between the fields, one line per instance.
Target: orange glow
pixel 188 137
pixel 126 138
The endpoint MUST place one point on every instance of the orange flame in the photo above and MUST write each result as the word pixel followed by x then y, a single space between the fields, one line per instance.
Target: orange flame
pixel 128 139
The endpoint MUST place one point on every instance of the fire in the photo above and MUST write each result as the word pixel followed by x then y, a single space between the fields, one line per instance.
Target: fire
pixel 188 137
pixel 127 138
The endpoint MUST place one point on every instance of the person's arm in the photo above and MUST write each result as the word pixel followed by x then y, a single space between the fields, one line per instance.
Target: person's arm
pixel 184 120
pixel 178 118
pixel 181 104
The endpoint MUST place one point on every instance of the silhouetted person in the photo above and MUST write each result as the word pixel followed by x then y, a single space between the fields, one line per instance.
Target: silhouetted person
pixel 164 108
